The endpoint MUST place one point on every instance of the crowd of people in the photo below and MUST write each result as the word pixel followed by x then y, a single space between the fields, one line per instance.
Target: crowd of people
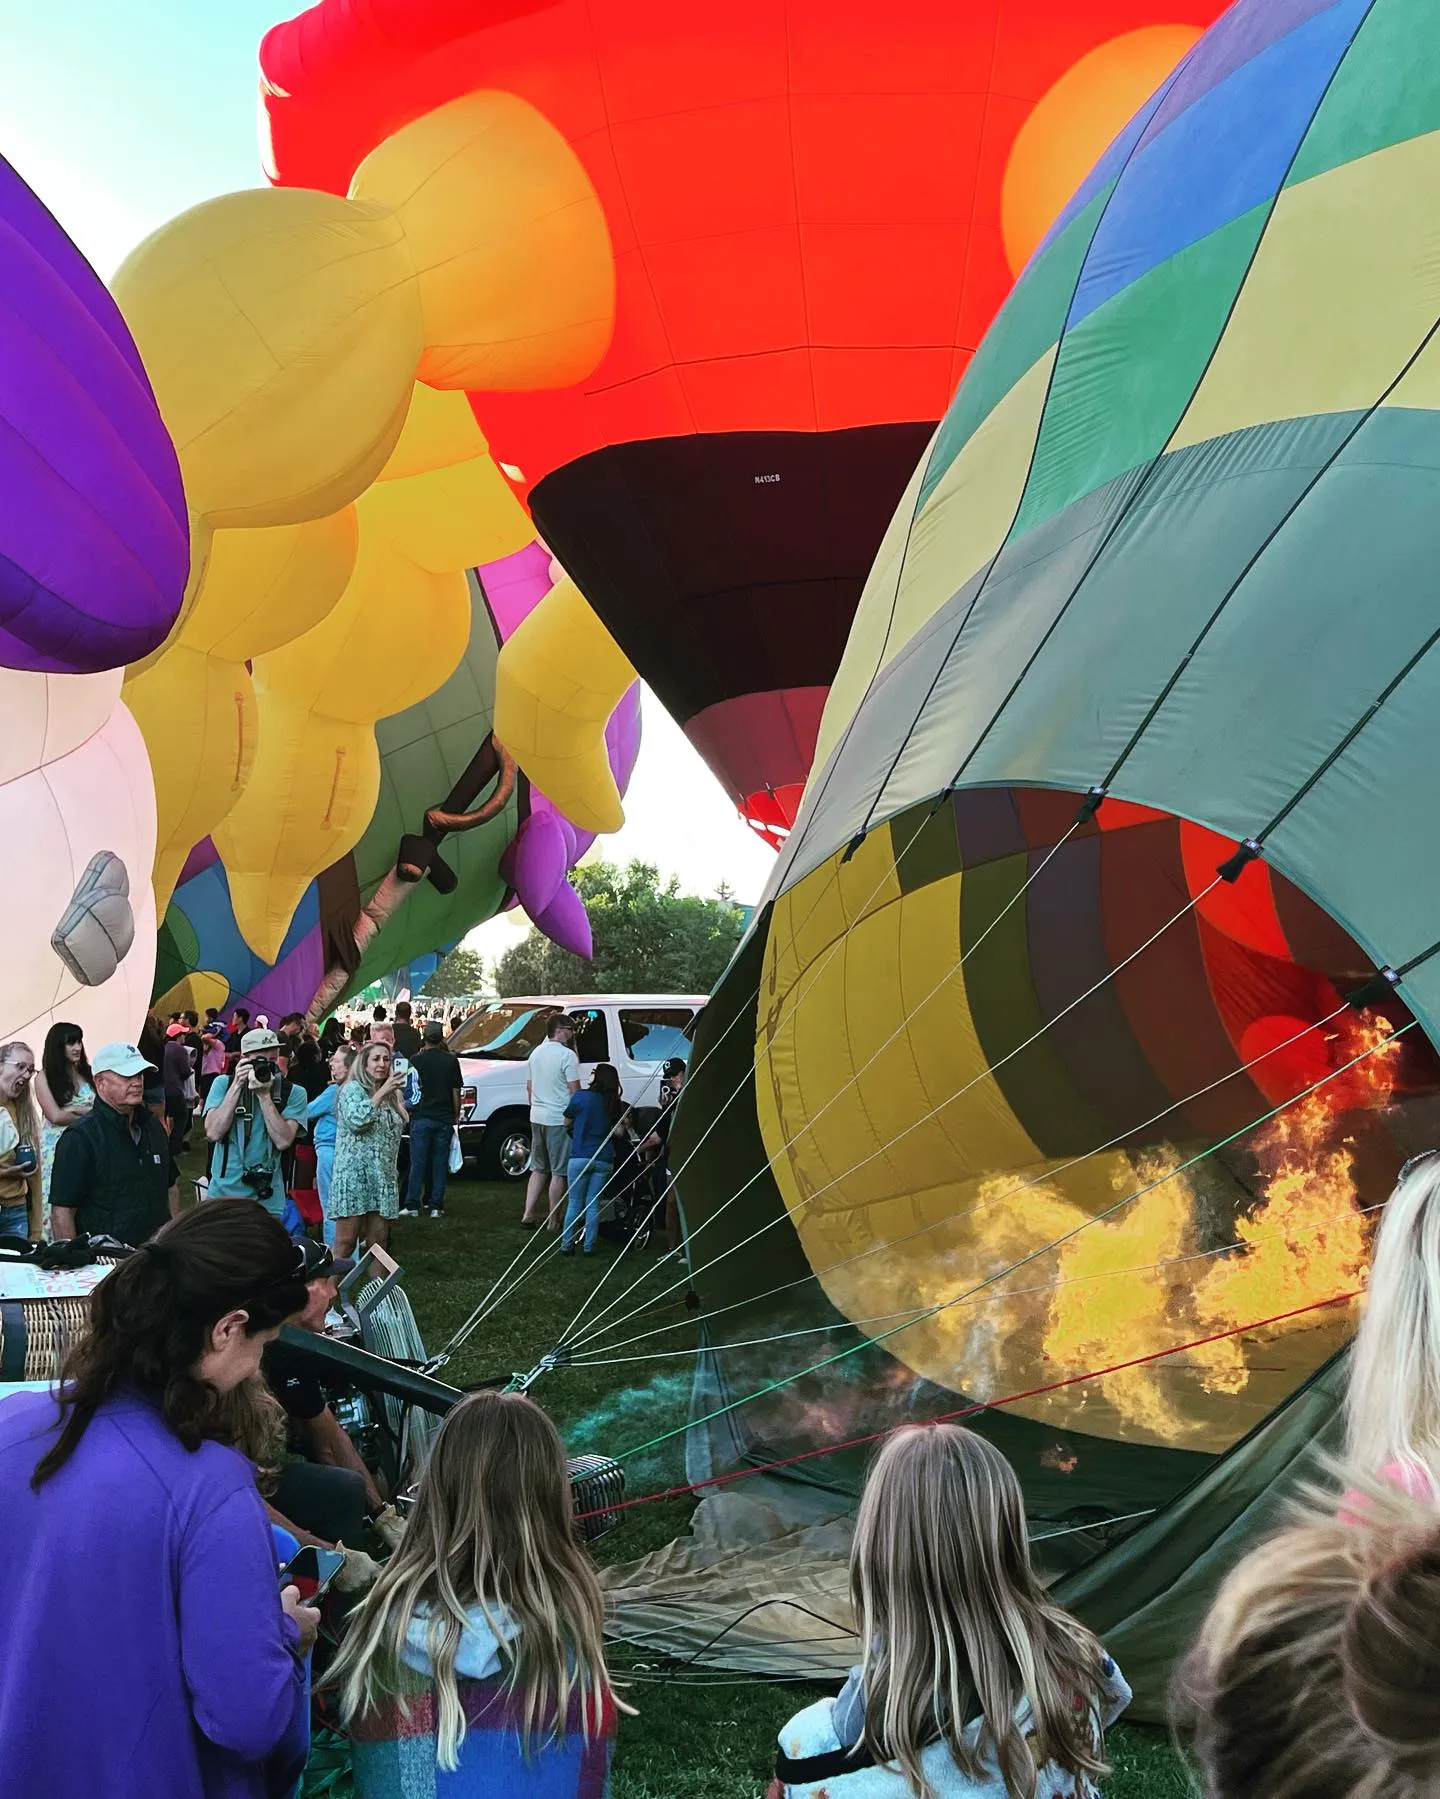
pixel 132 1494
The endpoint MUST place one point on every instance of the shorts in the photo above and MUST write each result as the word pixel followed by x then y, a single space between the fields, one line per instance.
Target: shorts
pixel 549 1148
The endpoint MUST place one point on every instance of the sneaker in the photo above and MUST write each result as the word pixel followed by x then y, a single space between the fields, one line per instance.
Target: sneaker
pixel 409 1211
pixel 567 1249
pixel 433 1212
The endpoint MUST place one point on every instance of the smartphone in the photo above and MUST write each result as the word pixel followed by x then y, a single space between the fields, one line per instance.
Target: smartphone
pixel 312 1569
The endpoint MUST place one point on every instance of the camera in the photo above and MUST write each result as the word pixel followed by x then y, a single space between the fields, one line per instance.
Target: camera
pixel 259 1181
pixel 264 1070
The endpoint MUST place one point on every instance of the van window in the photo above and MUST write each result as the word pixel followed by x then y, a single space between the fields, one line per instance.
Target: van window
pixel 507 1031
pixel 655 1033
pixel 592 1038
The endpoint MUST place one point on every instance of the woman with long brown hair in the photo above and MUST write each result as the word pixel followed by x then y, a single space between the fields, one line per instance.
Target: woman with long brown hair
pixel 480 1645
pixel 973 1686
pixel 135 1537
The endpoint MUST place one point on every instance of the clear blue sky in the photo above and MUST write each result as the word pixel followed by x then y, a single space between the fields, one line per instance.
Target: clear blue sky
pixel 121 113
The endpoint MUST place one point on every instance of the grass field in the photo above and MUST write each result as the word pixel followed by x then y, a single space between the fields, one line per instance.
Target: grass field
pixel 687 1741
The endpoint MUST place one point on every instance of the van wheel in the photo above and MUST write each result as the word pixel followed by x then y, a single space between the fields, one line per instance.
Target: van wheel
pixel 505 1150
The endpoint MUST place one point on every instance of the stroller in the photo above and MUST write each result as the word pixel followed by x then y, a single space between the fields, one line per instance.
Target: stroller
pixel 633 1203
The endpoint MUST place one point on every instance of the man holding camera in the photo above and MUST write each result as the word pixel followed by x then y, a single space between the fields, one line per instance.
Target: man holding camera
pixel 252 1118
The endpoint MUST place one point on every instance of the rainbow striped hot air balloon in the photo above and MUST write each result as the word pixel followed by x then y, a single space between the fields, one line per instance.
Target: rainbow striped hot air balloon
pixel 1056 1100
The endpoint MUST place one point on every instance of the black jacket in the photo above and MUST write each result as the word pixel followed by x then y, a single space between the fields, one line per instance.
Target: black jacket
pixel 113 1184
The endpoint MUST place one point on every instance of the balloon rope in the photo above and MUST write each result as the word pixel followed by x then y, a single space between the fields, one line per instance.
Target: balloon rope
pixel 967 1411
pixel 1001 1298
pixel 485 1307
pixel 1031 877
pixel 985 1073
pixel 891 1243
pixel 1023 1261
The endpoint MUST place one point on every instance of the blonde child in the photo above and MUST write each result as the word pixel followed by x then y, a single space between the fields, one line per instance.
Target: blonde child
pixel 478 1652
pixel 1316 1671
pixel 973 1685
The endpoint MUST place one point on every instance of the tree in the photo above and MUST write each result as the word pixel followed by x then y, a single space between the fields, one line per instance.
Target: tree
pixel 458 975
pixel 648 938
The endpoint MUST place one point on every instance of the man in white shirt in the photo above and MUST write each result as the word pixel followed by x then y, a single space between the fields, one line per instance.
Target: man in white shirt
pixel 552 1075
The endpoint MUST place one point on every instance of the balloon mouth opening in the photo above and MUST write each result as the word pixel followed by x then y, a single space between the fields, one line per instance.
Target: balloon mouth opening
pixel 1107 1128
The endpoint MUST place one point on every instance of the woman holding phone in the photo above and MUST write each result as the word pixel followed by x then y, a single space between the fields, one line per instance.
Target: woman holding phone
pixel 132 1519
pixel 370 1120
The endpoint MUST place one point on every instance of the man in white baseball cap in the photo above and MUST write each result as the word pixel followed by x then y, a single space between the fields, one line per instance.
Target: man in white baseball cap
pixel 114 1175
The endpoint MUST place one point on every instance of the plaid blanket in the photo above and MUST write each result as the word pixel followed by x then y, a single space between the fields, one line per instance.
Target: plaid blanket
pixel 394 1750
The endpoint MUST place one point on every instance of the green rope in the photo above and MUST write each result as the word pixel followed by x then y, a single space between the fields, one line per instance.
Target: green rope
pixel 1035 1254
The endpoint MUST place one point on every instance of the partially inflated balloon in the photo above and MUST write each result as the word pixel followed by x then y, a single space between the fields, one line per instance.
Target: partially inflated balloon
pixel 1091 1011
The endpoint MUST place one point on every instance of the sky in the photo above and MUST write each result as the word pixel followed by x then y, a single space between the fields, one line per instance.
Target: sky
pixel 122 113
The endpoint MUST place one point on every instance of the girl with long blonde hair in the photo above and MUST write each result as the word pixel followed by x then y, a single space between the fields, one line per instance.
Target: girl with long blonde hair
pixel 973 1686
pixel 484 1633
pixel 1393 1402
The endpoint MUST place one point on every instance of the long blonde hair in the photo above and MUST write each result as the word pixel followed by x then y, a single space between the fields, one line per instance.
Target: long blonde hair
pixel 361 1075
pixel 956 1624
pixel 1314 1676
pixel 493 1528
pixel 1393 1403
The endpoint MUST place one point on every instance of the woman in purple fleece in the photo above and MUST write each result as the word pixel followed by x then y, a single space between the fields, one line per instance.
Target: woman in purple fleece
pixel 146 1648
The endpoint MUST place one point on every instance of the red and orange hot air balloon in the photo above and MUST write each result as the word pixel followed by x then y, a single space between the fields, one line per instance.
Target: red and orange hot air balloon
pixel 815 209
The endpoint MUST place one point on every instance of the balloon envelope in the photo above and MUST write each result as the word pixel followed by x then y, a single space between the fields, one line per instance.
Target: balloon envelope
pixel 815 210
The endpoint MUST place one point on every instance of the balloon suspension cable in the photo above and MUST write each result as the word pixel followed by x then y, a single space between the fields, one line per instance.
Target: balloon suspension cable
pixel 1320 1226
pixel 490 1302
pixel 984 1074
pixel 1001 1274
pixel 1086 812
pixel 966 1411
pixel 924 1230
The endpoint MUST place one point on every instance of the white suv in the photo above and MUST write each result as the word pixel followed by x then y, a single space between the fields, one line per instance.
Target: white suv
pixel 636 1032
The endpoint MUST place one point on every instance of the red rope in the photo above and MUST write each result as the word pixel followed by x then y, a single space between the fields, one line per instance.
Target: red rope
pixel 969 1411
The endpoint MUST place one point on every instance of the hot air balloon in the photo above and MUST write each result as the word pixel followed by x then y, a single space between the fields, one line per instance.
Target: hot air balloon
pixel 93 561
pixel 1091 1010
pixel 814 210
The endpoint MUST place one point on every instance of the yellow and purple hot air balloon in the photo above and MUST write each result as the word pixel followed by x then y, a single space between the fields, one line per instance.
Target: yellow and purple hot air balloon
pixel 94 553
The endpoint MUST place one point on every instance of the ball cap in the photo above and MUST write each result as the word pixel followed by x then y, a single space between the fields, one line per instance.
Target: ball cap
pixel 254 1041
pixel 120 1058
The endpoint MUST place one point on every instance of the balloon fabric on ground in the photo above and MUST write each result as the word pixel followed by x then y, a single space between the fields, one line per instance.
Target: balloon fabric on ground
pixel 814 211
pixel 1062 1118
pixel 93 556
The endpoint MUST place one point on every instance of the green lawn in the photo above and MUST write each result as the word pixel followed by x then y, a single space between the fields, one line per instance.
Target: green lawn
pixel 687 1741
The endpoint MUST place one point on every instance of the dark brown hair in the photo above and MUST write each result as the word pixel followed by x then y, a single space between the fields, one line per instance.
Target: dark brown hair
pixel 150 1322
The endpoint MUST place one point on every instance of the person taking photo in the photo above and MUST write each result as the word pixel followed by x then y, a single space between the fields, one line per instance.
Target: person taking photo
pixel 252 1118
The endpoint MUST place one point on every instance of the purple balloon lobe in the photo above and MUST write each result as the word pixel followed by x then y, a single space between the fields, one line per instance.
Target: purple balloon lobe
pixel 94 540
pixel 564 921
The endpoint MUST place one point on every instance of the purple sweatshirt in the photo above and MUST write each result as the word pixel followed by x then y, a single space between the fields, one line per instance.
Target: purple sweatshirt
pixel 143 1649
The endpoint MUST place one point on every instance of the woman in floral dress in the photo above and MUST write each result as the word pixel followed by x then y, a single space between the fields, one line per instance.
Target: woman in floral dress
pixel 370 1119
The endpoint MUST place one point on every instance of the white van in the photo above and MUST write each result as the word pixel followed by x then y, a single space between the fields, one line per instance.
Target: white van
pixel 636 1032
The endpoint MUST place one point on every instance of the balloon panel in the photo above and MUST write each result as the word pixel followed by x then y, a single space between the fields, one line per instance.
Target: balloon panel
pixel 814 213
